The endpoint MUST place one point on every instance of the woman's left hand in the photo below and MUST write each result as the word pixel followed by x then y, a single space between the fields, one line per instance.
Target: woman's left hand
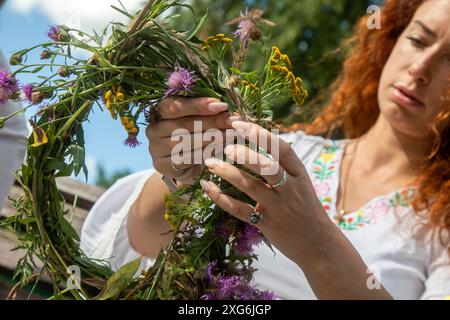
pixel 293 218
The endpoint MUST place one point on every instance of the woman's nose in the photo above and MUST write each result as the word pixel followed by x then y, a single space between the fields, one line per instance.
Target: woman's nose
pixel 421 70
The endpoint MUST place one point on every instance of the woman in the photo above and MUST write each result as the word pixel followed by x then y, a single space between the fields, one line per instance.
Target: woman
pixel 366 217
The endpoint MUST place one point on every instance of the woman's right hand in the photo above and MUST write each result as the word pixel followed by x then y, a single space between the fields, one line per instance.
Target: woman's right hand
pixel 180 113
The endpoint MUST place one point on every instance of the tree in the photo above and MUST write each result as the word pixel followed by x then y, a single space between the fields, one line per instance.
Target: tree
pixel 105 181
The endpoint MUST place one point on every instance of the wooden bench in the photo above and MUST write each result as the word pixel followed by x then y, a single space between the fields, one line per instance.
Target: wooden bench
pixel 69 187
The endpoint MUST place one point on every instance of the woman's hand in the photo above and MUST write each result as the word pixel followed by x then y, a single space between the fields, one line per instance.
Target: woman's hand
pixel 293 218
pixel 181 113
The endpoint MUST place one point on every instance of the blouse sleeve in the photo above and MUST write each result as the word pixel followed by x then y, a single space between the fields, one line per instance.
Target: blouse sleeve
pixel 104 234
pixel 437 285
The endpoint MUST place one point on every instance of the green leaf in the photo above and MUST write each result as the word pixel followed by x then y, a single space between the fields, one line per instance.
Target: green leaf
pixel 197 27
pixel 235 71
pixel 120 280
pixel 36 70
pixel 67 229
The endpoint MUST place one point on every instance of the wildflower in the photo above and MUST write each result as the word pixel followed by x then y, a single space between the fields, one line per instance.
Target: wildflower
pixel 244 31
pixel 39 135
pixel 276 68
pixel 37 97
pixel 46 54
pixel 58 34
pixel 243 244
pixel 9 86
pixel 64 72
pixel 15 59
pixel 28 91
pixel 247 25
pixel 179 81
pixel 231 287
pixel 286 60
pixel 132 141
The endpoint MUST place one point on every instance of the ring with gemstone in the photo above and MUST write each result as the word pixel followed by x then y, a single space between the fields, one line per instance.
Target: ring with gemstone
pixel 281 182
pixel 255 218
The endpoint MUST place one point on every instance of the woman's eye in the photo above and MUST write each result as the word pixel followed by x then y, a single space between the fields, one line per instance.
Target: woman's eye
pixel 416 42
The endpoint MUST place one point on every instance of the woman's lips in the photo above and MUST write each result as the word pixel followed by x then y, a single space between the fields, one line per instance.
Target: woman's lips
pixel 405 100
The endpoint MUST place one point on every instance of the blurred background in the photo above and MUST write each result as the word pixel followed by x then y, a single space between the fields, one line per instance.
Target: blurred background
pixel 309 31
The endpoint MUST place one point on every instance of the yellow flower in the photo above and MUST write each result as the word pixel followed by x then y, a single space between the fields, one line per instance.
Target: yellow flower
pixel 244 82
pixel 108 95
pixel 273 62
pixel 124 120
pixel 210 38
pixel 327 199
pixel 327 157
pixel 276 68
pixel 305 93
pixel 120 97
pixel 39 136
pixel 284 70
pixel 220 35
pixel 290 77
pixel 108 104
pixel 359 213
pixel 227 40
pixel 129 125
pixel 133 130
pixel 298 82
pixel 286 60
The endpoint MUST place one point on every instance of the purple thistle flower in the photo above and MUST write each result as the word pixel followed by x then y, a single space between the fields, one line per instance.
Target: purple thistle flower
pixel 227 287
pixel 54 33
pixel 58 34
pixel 266 295
pixel 245 28
pixel 28 90
pixel 224 229
pixel 179 80
pixel 210 278
pixel 243 244
pixel 244 31
pixel 131 141
pixel 8 86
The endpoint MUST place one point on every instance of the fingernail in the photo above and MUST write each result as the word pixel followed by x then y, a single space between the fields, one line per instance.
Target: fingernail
pixel 205 185
pixel 212 162
pixel 231 119
pixel 217 107
pixel 242 126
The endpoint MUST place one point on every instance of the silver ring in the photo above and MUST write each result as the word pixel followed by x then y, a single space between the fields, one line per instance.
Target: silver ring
pixel 281 182
pixel 255 218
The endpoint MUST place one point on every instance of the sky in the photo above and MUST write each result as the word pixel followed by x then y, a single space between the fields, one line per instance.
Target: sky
pixel 24 23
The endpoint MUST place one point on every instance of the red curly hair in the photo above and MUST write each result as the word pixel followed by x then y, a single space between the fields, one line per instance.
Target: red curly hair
pixel 353 107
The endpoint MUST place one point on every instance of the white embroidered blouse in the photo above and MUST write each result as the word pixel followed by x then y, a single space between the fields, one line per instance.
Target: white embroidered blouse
pixel 410 262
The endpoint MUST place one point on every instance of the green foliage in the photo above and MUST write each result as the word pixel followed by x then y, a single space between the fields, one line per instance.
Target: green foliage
pixel 106 180
pixel 309 31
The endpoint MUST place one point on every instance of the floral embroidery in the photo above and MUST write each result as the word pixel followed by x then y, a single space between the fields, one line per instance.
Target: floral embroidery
pixel 325 173
pixel 354 221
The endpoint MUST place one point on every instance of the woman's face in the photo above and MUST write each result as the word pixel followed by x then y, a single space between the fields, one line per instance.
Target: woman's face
pixel 415 80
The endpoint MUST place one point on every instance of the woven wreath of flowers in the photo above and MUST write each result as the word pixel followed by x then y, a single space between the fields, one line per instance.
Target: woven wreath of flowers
pixel 211 256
